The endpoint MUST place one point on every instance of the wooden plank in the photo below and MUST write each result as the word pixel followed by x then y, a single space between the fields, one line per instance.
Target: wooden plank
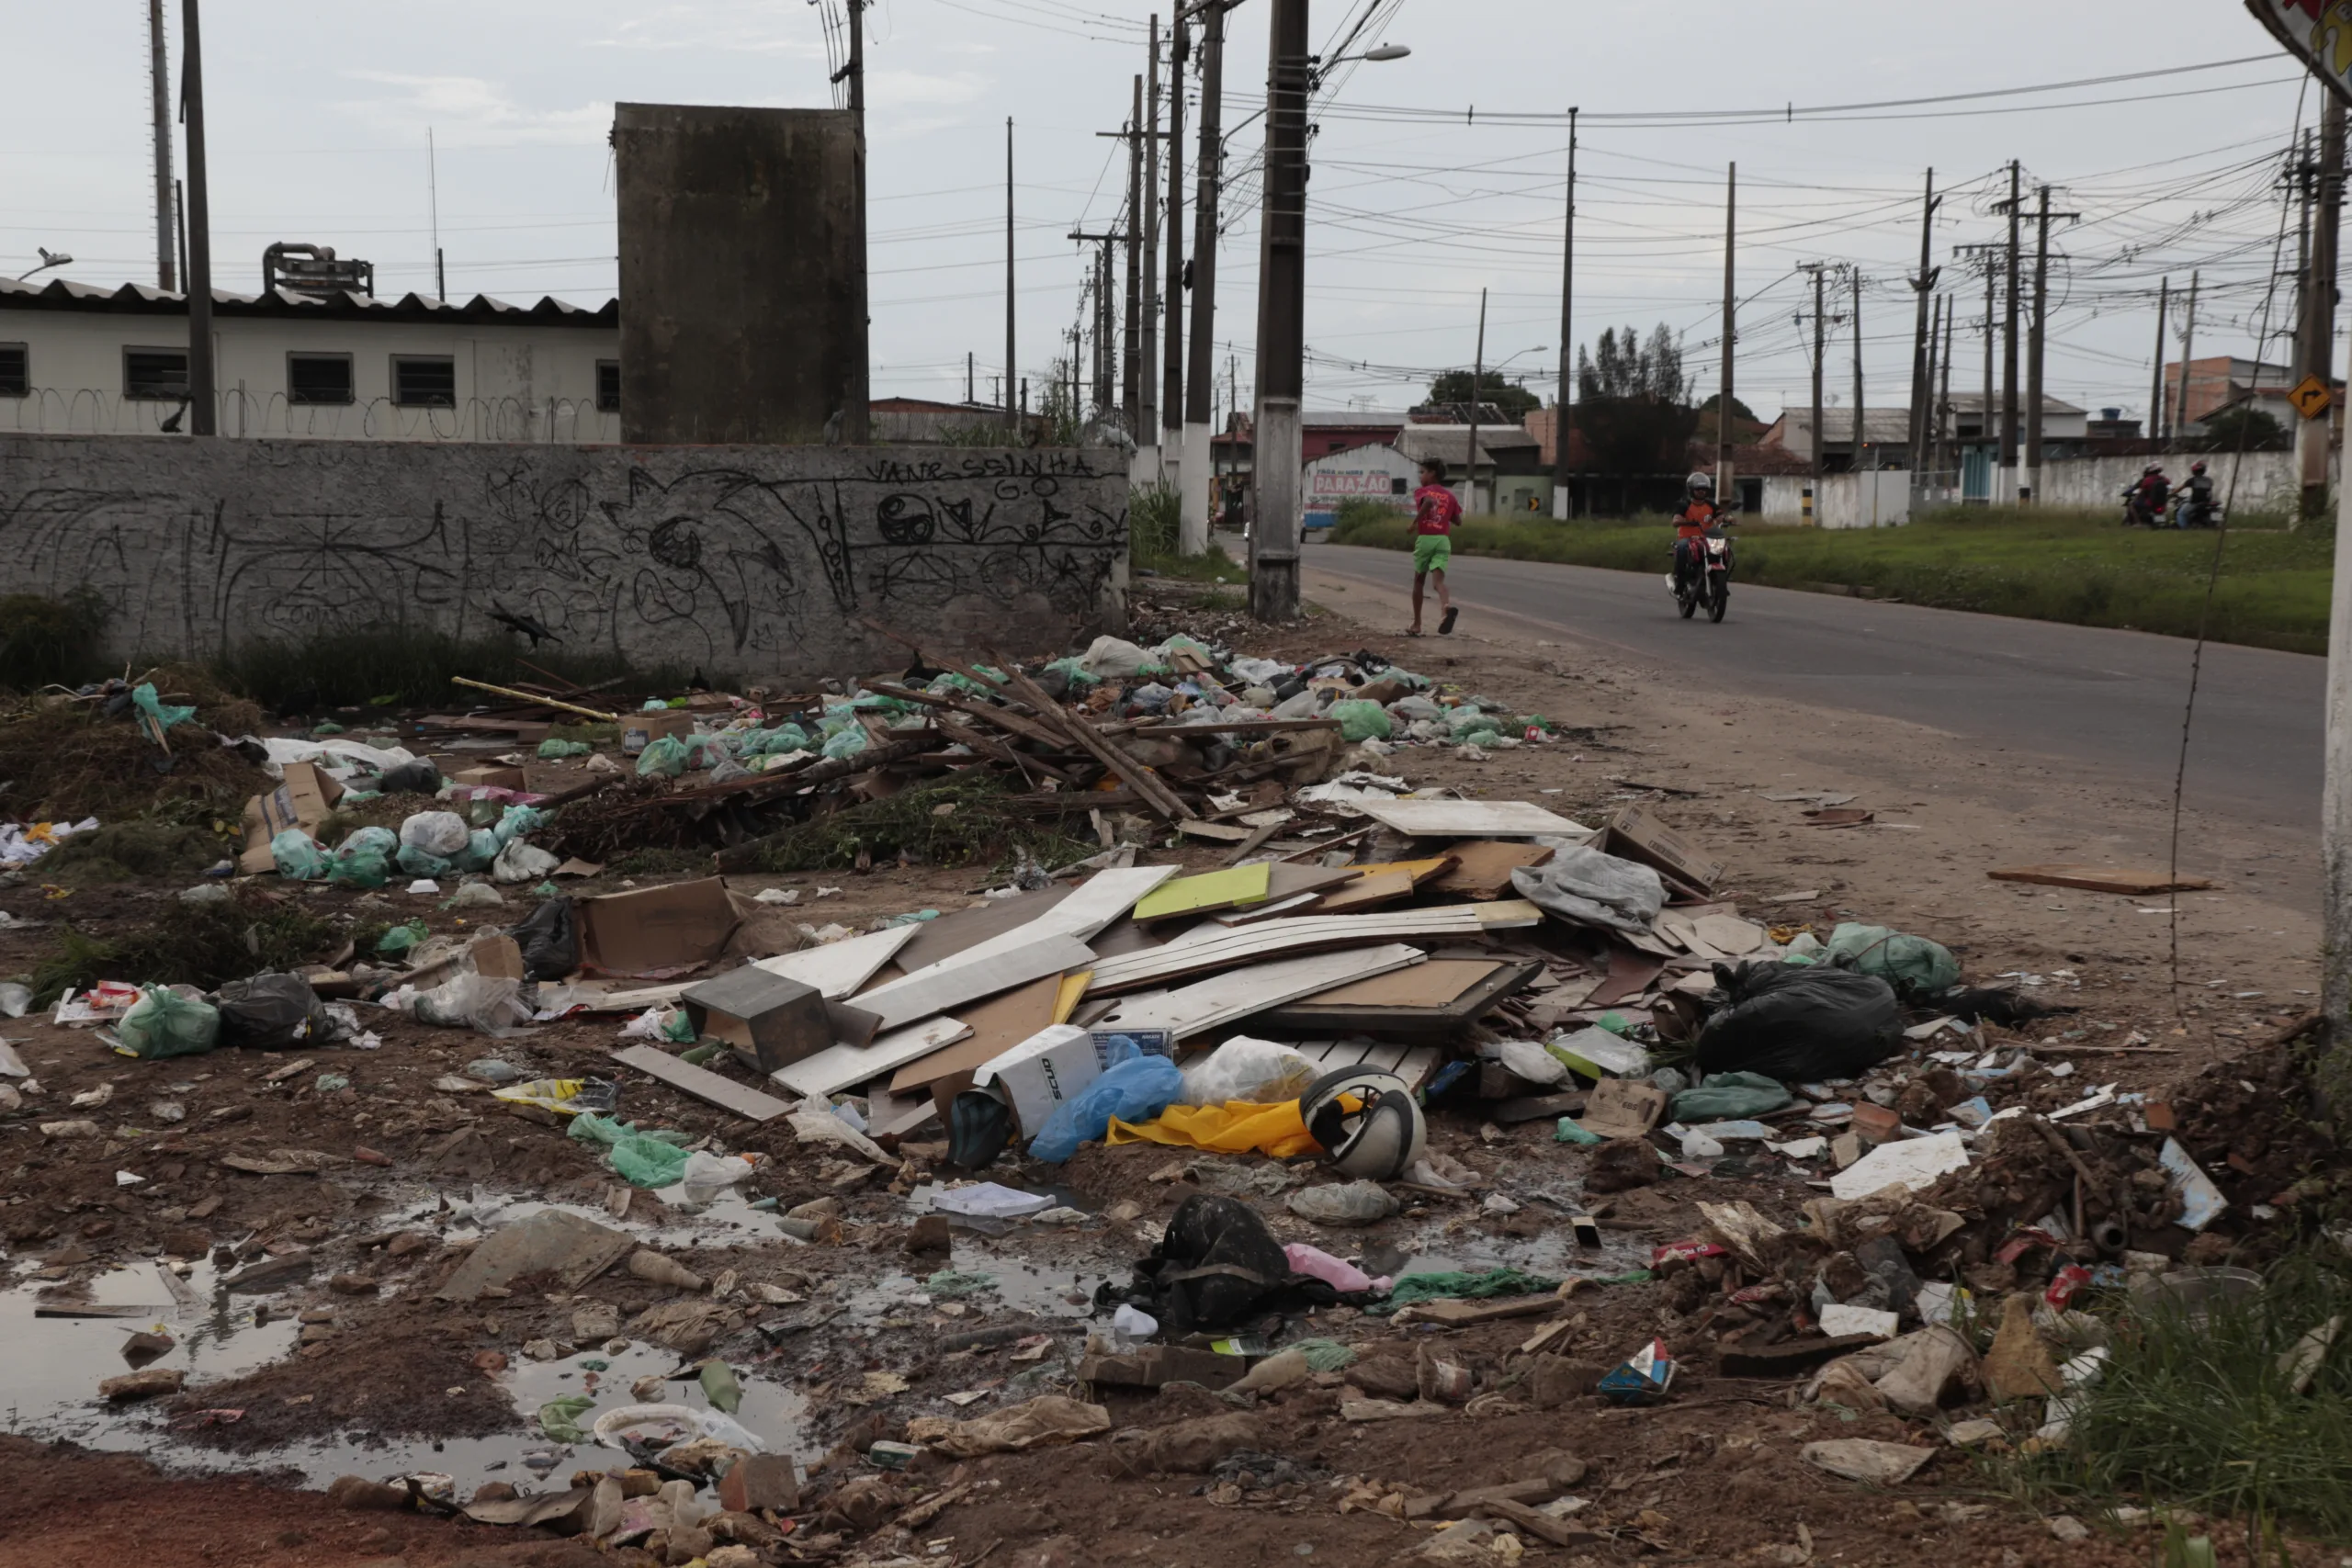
pixel 1433 984
pixel 2101 879
pixel 1239 993
pixel 1296 904
pixel 830 1071
pixel 1482 869
pixel 1140 779
pixel 1368 892
pixel 1234 888
pixel 1094 904
pixel 1221 832
pixel 703 1084
pixel 1012 723
pixel 1274 937
pixel 937 940
pixel 1246 727
pixel 997 1025
pixel 835 970
pixel 1407 1020
pixel 1469 818
pixel 943 987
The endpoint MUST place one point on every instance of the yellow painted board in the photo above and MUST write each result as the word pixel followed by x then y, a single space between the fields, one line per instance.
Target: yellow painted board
pixel 1236 889
pixel 1072 992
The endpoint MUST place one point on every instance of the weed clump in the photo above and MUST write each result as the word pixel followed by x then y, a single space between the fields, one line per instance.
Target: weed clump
pixel 961 820
pixel 46 642
pixel 205 945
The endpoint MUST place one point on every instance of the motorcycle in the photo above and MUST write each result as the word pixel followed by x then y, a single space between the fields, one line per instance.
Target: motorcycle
pixel 2195 509
pixel 1704 577
pixel 2137 510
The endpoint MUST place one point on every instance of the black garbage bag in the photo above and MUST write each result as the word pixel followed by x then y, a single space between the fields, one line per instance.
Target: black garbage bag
pixel 272 1012
pixel 1799 1023
pixel 1995 1004
pixel 980 1128
pixel 411 778
pixel 549 938
pixel 1218 1267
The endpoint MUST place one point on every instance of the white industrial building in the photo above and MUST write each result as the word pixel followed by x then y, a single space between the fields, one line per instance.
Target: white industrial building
pixel 349 364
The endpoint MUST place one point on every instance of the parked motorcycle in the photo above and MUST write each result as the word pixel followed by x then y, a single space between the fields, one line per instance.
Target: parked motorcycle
pixel 1703 577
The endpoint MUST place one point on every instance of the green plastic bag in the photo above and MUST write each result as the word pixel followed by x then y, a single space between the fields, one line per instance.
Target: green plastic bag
pixel 364 859
pixel 1731 1097
pixel 551 750
pixel 560 1419
pixel 1912 964
pixel 164 1023
pixel 721 1387
pixel 1362 721
pixel 665 755
pixel 641 1159
pixel 679 1026
pixel 143 698
pixel 1572 1131
pixel 1484 1286
pixel 846 743
pixel 299 858
pixel 326 727
pixel 400 938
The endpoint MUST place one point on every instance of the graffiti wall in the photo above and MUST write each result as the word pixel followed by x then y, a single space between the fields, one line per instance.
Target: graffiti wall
pixel 742 560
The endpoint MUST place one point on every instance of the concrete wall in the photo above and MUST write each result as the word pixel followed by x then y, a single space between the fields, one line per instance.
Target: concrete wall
pixel 2266 483
pixel 1875 497
pixel 742 560
pixel 741 266
pixel 521 382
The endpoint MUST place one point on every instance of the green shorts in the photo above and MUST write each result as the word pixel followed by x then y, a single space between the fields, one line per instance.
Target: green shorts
pixel 1431 552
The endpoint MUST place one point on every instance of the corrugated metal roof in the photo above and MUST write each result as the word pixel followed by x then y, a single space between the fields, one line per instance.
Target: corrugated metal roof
pixel 1447 443
pixel 137 299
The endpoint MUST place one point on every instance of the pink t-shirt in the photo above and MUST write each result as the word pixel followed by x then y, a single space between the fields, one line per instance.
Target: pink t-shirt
pixel 1435 510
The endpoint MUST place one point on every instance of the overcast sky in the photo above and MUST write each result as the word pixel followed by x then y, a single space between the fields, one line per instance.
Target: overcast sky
pixel 319 121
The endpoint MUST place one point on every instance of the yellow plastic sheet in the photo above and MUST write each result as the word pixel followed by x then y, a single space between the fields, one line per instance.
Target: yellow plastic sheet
pixel 1235 1127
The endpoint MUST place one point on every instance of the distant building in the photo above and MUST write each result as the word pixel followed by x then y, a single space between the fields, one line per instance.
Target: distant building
pixel 1886 437
pixel 1381 474
pixel 922 420
pixel 1509 473
pixel 2110 425
pixel 2226 381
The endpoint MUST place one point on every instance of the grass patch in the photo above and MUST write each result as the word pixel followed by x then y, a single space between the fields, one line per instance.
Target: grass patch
pixel 2075 567
pixel 2201 1414
pixel 962 820
pixel 66 761
pixel 151 846
pixel 46 642
pixel 206 945
pixel 400 666
pixel 1155 517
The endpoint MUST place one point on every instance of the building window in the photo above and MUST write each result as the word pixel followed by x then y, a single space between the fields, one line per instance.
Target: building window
pixel 15 371
pixel 609 385
pixel 160 373
pixel 318 378
pixel 424 381
pixel 1396 486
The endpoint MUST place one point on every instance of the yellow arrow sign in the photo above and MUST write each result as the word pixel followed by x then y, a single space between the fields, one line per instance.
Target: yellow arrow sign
pixel 2312 399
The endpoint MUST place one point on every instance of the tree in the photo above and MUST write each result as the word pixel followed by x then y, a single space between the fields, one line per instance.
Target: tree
pixel 2244 428
pixel 1453 386
pixel 1741 416
pixel 1629 410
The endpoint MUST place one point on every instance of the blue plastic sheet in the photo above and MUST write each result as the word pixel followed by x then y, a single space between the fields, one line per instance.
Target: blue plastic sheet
pixel 1135 1087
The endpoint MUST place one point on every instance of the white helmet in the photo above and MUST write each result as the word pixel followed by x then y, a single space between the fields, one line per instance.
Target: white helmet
pixel 1378 1143
pixel 1699 483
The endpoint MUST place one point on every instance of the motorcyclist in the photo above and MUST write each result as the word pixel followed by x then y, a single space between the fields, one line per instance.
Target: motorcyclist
pixel 2195 507
pixel 2148 497
pixel 1699 515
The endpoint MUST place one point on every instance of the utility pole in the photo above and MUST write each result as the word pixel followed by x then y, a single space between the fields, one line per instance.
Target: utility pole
pixel 2317 337
pixel 2187 348
pixel 1470 447
pixel 1723 395
pixel 1011 421
pixel 1943 398
pixel 1148 469
pixel 433 196
pixel 1199 391
pixel 1922 458
pixel 204 409
pixel 1275 471
pixel 858 398
pixel 1819 269
pixel 1171 346
pixel 1131 382
pixel 1563 417
pixel 2009 343
pixel 2032 487
pixel 1985 424
pixel 1102 370
pixel 2157 377
pixel 1856 466
pixel 1924 284
pixel 159 82
pixel 968 367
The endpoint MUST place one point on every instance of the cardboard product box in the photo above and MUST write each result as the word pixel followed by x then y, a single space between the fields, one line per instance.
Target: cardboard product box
pixel 1154 1042
pixel 656 931
pixel 1635 835
pixel 303 799
pixel 639 730
pixel 1037 1074
pixel 491 776
pixel 769 1020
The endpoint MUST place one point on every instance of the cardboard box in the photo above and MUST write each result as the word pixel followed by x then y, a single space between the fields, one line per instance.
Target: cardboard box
pixel 491 776
pixel 1622 1108
pixel 771 1021
pixel 1037 1074
pixel 1635 835
pixel 656 931
pixel 640 729
pixel 303 799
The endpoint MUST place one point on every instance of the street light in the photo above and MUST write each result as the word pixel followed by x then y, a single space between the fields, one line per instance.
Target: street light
pixel 49 258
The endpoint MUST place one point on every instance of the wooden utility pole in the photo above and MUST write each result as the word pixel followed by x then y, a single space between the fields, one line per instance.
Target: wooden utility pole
pixel 1011 420
pixel 204 407
pixel 858 401
pixel 1470 449
pixel 1943 398
pixel 2316 339
pixel 2010 340
pixel 2157 377
pixel 158 73
pixel 1131 380
pixel 2187 351
pixel 1922 407
pixel 1819 271
pixel 1563 416
pixel 1859 433
pixel 2031 485
pixel 1276 468
pixel 1171 342
pixel 1200 390
pixel 1147 471
pixel 1724 395
pixel 1985 424
pixel 1924 284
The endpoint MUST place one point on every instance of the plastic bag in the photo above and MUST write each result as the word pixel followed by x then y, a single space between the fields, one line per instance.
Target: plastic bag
pixel 1343 1203
pixel 640 1159
pixel 703 1177
pixel 1588 888
pixel 1799 1024
pixel 1360 721
pixel 1413 706
pixel 479 1001
pixel 364 859
pixel 1134 1088
pixel 1729 1097
pixel 849 742
pixel 1259 1071
pixel 1235 1127
pixel 1912 964
pixel 1526 1059
pixel 298 856
pixel 143 698
pixel 438 834
pixel 1068 669
pixel 553 751
pixel 549 938
pixel 664 755
pixel 521 862
pixel 416 777
pixel 164 1023
pixel 273 1013
pixel 400 938
pixel 1113 657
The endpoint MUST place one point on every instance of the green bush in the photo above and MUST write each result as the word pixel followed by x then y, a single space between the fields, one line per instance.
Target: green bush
pixel 46 642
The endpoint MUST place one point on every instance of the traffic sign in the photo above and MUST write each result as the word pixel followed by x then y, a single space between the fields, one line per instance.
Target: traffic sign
pixel 2312 399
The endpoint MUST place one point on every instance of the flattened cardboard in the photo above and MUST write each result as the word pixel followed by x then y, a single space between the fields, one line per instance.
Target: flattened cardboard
pixel 488 775
pixel 997 1025
pixel 640 729
pixel 1635 835
pixel 1622 1108
pixel 1428 1002
pixel 1482 869
pixel 303 799
pixel 2101 879
pixel 655 931
pixel 1387 886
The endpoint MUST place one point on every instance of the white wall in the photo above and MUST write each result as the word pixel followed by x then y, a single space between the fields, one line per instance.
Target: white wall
pixel 523 382
pixel 1875 497
pixel 2268 481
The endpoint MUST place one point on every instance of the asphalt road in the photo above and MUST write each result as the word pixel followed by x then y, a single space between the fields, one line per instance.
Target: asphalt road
pixel 2110 699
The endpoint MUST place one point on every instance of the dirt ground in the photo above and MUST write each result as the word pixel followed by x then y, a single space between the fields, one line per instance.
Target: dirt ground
pixel 404 1175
